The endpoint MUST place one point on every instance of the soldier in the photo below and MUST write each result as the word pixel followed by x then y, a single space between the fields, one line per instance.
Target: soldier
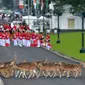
pixel 7 38
pixel 20 43
pixel 35 44
pixel 38 40
pixel 28 39
pixel 14 28
pixel 15 38
pixel 48 46
pixel 1 38
pixel 23 38
pixel 47 37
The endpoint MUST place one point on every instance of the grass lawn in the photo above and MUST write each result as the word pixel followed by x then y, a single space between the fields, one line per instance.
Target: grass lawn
pixel 70 44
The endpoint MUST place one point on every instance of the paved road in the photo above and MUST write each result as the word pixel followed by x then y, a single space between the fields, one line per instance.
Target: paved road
pixel 32 54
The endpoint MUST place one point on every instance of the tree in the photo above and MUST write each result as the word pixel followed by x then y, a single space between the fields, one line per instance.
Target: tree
pixel 7 3
pixel 58 11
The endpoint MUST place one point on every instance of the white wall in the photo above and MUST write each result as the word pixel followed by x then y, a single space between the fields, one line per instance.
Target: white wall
pixel 78 23
pixel 64 21
pixel 54 22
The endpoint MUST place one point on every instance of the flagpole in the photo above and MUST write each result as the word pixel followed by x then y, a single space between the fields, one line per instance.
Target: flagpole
pixel 42 12
pixel 44 31
pixel 28 12
pixel 31 7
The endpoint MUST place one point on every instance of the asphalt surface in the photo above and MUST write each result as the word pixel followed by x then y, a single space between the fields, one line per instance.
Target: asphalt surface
pixel 32 54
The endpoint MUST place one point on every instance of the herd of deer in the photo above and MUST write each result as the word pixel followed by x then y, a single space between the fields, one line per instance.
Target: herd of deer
pixel 36 69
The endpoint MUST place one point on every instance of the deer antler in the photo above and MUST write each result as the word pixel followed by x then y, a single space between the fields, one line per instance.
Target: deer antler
pixel 45 60
pixel 15 56
pixel 25 60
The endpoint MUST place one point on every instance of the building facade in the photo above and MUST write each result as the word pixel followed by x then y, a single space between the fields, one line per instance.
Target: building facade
pixel 67 21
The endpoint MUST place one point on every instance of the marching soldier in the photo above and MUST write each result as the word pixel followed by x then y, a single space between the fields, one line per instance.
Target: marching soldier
pixel 28 39
pixel 7 38
pixel 20 43
pixel 15 38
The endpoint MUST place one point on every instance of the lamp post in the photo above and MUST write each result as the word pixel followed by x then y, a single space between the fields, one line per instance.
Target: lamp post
pixel 82 50
pixel 28 12
pixel 59 13
pixel 58 31
pixel 31 7
pixel 82 15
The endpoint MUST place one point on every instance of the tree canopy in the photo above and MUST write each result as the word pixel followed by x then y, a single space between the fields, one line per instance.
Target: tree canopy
pixel 77 6
pixel 7 3
pixel 58 7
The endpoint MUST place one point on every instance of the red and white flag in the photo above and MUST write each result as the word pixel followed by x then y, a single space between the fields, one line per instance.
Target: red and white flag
pixel 21 4
pixel 34 3
pixel 42 4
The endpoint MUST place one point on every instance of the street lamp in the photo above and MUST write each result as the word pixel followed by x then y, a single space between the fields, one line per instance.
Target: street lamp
pixel 82 15
pixel 28 12
pixel 58 11
pixel 82 50
pixel 58 29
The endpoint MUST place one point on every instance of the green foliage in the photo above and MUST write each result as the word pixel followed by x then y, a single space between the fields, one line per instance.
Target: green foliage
pixel 78 6
pixel 7 3
pixel 58 10
pixel 58 7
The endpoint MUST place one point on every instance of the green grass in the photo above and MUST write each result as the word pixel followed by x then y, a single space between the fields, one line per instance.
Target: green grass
pixel 70 44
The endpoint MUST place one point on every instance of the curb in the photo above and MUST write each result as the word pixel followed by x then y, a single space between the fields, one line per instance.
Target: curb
pixel 63 56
